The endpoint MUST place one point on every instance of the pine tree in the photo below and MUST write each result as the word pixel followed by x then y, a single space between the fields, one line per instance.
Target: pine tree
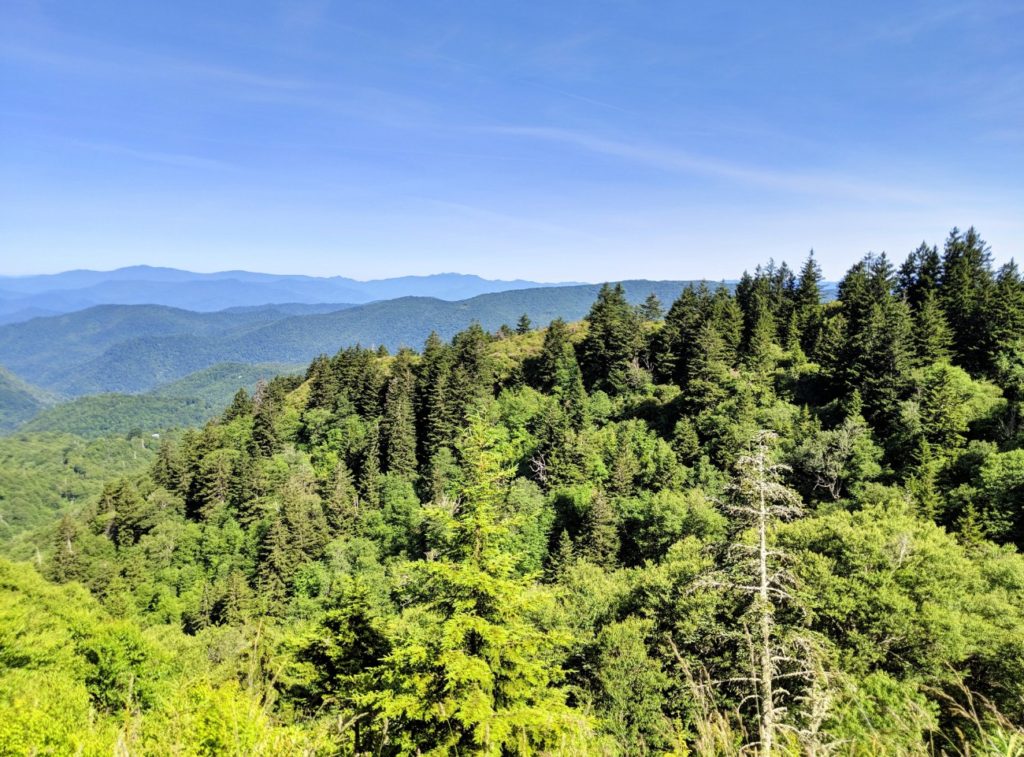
pixel 264 433
pixel 370 474
pixel 1004 321
pixel 705 385
pixel 882 368
pixel 435 420
pixel 276 564
pixel 65 565
pixel 562 558
pixel 303 518
pixel 523 325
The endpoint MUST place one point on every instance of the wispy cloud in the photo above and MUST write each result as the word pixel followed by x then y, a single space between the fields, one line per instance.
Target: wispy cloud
pixel 125 63
pixel 678 161
pixel 150 156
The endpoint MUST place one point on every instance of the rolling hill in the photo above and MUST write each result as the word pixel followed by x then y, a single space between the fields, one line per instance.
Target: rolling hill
pixel 22 298
pixel 133 349
pixel 19 400
pixel 189 401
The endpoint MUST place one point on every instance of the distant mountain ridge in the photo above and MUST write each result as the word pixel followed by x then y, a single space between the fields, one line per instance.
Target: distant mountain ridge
pixel 25 297
pixel 131 349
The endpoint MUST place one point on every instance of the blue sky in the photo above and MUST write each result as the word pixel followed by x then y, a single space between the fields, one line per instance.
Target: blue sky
pixel 553 141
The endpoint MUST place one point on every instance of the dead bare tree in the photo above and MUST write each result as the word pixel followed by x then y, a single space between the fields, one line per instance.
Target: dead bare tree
pixel 760 500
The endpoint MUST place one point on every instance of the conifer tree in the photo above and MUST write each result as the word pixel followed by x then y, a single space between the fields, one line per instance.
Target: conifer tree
pixel 241 406
pixel 398 426
pixel 966 290
pixel 919 275
pixel 613 340
pixel 470 673
pixel 761 501
pixel 523 325
pixel 370 474
pixel 277 564
pixel 264 434
pixel 807 305
pixel 435 421
pixel 65 564
pixel 601 533
pixel 651 309
pixel 341 503
pixel 931 336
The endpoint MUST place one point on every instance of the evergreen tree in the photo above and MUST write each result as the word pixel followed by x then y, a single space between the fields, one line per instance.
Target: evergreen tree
pixel 341 503
pixel 523 325
pixel 931 336
pixel 264 434
pixel 601 533
pixel 760 502
pixel 469 672
pixel 651 309
pixel 65 565
pixel 435 419
pixel 398 426
pixel 370 474
pixel 966 290
pixel 613 340
pixel 918 278
pixel 807 304
pixel 241 406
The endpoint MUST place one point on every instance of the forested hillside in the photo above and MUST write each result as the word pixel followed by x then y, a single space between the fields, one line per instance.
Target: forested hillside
pixel 43 475
pixel 137 348
pixel 752 522
pixel 189 401
pixel 19 400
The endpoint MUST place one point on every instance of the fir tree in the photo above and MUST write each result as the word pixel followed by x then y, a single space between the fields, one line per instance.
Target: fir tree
pixel 612 342
pixel 601 533
pixel 651 309
pixel 931 336
pixel 398 426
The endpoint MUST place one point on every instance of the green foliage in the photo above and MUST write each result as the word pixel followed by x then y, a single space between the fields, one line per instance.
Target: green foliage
pixel 44 475
pixel 578 539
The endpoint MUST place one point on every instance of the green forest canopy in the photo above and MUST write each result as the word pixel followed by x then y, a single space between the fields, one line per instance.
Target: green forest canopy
pixel 754 522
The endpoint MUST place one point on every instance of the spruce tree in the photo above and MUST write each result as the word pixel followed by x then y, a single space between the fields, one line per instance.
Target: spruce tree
pixel 613 340
pixel 932 338
pixel 651 309
pixel 341 502
pixel 808 304
pixel 398 426
pixel 966 291
pixel 601 533
pixel 469 671
pixel 241 406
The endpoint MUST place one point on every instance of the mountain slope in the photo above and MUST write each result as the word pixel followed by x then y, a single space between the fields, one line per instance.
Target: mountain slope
pixel 134 349
pixel 21 297
pixel 189 401
pixel 19 400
